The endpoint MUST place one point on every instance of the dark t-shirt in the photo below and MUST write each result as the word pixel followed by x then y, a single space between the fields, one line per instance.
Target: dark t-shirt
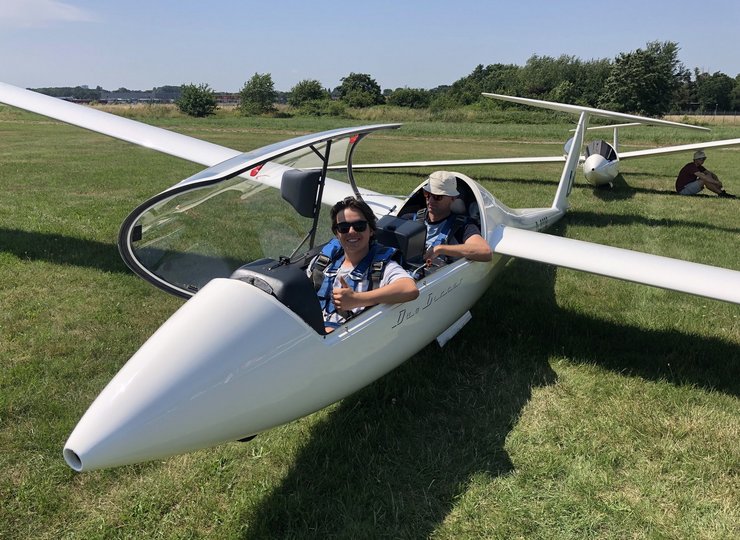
pixel 687 175
pixel 460 236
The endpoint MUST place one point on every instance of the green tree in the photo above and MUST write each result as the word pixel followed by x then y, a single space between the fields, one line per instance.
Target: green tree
pixel 167 93
pixel 566 79
pixel 496 78
pixel 542 74
pixel 684 98
pixel 644 81
pixel 736 94
pixel 360 90
pixel 591 82
pixel 305 91
pixel 414 98
pixel 714 92
pixel 196 100
pixel 258 95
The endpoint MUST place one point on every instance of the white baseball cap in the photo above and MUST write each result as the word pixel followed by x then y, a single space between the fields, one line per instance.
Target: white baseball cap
pixel 442 183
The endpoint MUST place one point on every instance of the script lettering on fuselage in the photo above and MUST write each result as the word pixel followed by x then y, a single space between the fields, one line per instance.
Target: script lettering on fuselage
pixel 431 300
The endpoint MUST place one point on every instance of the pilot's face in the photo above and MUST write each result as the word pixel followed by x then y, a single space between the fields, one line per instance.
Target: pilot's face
pixel 353 241
pixel 438 205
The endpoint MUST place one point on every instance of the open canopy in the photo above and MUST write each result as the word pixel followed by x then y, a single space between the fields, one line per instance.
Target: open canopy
pixel 215 221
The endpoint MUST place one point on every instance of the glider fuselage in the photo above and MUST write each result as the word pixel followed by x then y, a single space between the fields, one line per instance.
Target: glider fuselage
pixel 234 361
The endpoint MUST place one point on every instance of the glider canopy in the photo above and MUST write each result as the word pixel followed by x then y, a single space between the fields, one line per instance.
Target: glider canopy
pixel 215 221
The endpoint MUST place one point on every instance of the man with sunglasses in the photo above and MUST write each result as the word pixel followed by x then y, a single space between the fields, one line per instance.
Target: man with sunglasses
pixel 449 236
pixel 693 178
pixel 353 271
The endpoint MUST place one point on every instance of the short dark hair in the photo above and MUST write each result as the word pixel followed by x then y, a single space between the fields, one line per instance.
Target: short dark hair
pixel 357 205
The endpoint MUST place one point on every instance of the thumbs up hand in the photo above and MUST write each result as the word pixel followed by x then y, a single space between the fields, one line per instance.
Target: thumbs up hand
pixel 344 297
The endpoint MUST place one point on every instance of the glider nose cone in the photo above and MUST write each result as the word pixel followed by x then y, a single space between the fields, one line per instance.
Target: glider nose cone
pixel 207 376
pixel 598 170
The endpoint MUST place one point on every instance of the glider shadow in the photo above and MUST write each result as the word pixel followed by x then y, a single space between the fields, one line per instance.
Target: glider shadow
pixel 658 355
pixel 396 456
pixel 598 219
pixel 61 249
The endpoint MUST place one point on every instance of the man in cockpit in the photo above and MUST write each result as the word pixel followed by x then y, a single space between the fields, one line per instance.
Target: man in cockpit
pixel 449 235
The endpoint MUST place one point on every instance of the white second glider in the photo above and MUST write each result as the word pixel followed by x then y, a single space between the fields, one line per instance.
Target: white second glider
pixel 248 351
pixel 600 159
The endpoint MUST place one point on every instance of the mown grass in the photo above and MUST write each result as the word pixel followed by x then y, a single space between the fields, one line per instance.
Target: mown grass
pixel 572 406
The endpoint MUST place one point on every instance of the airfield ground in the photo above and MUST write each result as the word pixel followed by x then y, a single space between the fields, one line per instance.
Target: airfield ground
pixel 572 406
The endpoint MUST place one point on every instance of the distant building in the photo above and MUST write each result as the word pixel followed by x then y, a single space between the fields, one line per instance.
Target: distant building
pixel 227 98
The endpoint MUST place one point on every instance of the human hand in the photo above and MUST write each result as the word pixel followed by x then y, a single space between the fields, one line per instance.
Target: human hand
pixel 431 254
pixel 344 297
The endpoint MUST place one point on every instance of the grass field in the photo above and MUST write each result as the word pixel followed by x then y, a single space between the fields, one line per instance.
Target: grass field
pixel 571 406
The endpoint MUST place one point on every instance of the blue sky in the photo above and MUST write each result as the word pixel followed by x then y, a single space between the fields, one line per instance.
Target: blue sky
pixel 140 44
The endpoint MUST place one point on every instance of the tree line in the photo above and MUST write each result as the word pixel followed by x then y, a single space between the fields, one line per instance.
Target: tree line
pixel 647 81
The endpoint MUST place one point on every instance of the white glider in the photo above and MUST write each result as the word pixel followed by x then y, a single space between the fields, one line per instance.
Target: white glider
pixel 248 352
pixel 600 160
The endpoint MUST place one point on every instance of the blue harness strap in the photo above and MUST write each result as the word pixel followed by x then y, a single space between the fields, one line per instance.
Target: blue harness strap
pixel 326 266
pixel 450 226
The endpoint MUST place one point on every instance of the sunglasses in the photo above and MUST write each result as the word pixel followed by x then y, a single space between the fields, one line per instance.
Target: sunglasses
pixel 344 226
pixel 433 196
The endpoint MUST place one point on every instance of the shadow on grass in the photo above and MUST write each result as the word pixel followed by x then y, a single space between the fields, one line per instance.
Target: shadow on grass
pixel 658 355
pixel 394 459
pixel 619 191
pixel 60 249
pixel 599 219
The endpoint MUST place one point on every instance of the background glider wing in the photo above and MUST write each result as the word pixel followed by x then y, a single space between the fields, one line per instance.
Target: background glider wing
pixel 578 109
pixel 664 272
pixel 680 148
pixel 460 162
pixel 159 139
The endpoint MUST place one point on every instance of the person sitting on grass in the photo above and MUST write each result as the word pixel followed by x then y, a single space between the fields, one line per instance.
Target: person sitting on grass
pixel 693 178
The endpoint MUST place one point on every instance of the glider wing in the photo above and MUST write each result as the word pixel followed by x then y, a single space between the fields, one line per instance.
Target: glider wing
pixel 459 162
pixel 655 270
pixel 159 139
pixel 680 148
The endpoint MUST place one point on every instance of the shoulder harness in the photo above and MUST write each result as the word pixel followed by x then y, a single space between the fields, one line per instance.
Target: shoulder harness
pixel 326 265
pixel 448 229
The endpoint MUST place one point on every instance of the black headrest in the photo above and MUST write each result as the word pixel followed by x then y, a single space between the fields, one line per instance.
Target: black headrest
pixel 299 188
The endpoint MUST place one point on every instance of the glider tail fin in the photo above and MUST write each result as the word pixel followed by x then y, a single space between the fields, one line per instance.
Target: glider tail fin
pixel 571 165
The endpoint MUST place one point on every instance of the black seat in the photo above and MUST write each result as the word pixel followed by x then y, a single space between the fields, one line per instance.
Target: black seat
pixel 289 284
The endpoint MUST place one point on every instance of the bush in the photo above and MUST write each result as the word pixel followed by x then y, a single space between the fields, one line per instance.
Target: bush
pixel 414 98
pixel 323 107
pixel 197 100
pixel 360 90
pixel 257 96
pixel 305 91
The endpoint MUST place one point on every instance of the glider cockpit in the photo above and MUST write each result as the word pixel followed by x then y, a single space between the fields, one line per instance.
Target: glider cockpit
pixel 257 218
pixel 209 225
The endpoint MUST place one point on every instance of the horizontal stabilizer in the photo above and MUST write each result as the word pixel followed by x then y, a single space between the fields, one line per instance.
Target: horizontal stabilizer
pixel 680 148
pixel 612 126
pixel 664 272
pixel 577 109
